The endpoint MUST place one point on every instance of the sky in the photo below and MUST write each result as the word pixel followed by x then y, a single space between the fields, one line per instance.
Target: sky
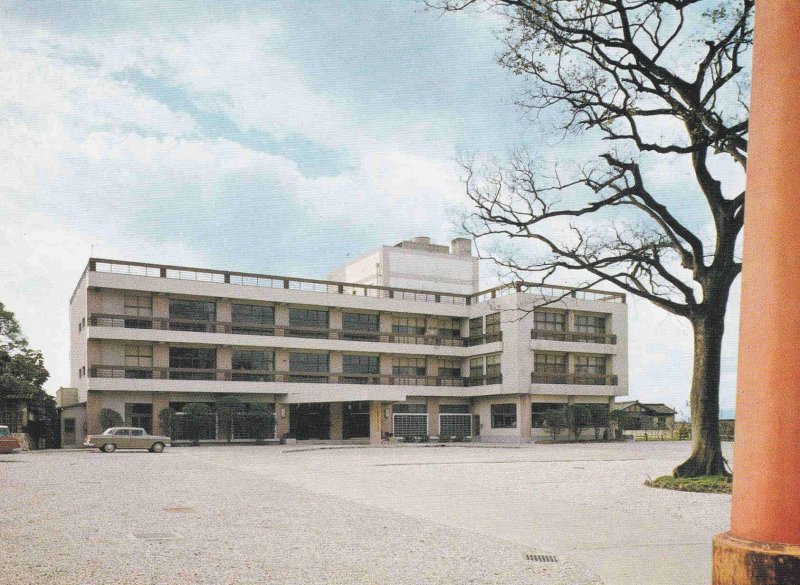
pixel 277 137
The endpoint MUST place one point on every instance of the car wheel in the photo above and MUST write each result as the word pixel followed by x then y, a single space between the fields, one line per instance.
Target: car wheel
pixel 109 447
pixel 157 448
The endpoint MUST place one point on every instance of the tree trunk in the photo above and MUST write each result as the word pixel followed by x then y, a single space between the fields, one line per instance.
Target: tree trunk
pixel 706 457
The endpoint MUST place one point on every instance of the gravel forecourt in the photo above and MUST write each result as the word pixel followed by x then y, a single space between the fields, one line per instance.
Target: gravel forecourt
pixel 392 515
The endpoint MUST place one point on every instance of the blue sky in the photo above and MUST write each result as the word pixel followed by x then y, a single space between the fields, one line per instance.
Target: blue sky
pixel 275 137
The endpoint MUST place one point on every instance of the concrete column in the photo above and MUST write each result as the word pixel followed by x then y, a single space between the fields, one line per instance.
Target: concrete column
pixel 93 407
pixel 524 417
pixel 433 416
pixel 763 546
pixel 160 305
pixel 281 417
pixel 336 421
pixel 335 318
pixel 375 422
pixel 160 402
pixel 224 312
pixel 281 318
pixel 160 355
pixel 335 362
pixel 224 359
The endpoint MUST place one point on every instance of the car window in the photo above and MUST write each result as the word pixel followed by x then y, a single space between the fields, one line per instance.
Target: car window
pixel 122 432
pixel 109 431
pixel 137 432
pixel 4 432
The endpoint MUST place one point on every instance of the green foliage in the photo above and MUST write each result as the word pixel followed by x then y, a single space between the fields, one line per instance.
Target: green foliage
pixel 110 418
pixel 712 484
pixel 166 421
pixel 579 417
pixel 262 412
pixel 22 371
pixel 227 406
pixel 555 421
pixel 195 411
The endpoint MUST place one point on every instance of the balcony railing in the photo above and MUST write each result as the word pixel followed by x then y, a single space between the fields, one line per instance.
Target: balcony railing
pixel 235 375
pixel 172 324
pixel 575 379
pixel 574 336
pixel 344 288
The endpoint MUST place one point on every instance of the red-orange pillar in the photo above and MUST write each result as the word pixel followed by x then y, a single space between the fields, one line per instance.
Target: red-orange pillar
pixel 763 546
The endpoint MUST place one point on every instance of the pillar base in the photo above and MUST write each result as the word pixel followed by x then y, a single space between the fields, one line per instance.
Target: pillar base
pixel 737 561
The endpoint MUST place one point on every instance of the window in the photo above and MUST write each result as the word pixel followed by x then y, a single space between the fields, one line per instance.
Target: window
pixel 185 311
pixel 493 374
pixel 138 306
pixel 454 408
pixel 197 358
pixel 312 363
pixel 306 321
pixel 122 433
pixel 138 356
pixel 410 420
pixel 504 416
pixel 555 363
pixel 366 322
pixel 447 327
pixel 590 324
pixel 549 321
pixel 476 371
pixel 255 315
pixel 408 367
pixel 476 328
pixel 360 364
pixel 590 364
pixel 493 327
pixel 449 368
pixel 539 411
pixel 407 408
pixel 254 360
pixel 408 326
pixel 137 432
pixel 69 426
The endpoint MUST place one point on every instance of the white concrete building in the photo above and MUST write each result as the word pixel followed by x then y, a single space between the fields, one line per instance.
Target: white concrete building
pixel 397 343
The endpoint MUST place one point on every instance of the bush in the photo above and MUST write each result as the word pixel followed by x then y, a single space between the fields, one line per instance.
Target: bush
pixel 194 412
pixel 166 421
pixel 424 439
pixel 110 418
pixel 555 421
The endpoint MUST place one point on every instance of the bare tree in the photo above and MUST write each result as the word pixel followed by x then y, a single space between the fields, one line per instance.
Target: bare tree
pixel 657 80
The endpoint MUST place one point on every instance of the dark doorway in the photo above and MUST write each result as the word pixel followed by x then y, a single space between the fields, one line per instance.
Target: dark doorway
pixel 310 421
pixel 139 415
pixel 355 420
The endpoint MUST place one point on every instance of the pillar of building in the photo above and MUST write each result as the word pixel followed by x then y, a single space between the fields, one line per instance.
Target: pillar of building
pixel 375 422
pixel 763 545
pixel 433 416
pixel 224 313
pixel 93 407
pixel 337 421
pixel 160 402
pixel 525 417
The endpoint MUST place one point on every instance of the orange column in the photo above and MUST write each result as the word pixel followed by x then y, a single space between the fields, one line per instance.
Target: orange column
pixel 763 546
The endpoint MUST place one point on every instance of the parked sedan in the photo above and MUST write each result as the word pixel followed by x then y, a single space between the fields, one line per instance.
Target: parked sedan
pixel 127 438
pixel 8 442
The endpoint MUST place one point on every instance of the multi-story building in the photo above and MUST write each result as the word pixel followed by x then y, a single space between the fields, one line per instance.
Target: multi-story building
pixel 364 355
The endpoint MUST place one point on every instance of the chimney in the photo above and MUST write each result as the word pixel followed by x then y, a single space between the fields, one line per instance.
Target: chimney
pixel 461 247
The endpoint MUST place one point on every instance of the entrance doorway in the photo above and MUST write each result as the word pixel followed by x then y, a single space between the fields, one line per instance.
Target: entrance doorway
pixel 139 415
pixel 355 420
pixel 310 421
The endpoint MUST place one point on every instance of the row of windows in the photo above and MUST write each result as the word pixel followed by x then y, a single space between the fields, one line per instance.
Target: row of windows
pixel 504 416
pixel 556 321
pixel 557 363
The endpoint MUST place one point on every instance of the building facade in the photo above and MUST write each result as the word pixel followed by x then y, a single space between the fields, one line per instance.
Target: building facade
pixel 356 357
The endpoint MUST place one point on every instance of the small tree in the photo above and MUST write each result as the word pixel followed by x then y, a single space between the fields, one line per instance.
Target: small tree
pixel 166 421
pixel 578 419
pixel 600 420
pixel 195 412
pixel 555 421
pixel 227 407
pixel 110 418
pixel 261 413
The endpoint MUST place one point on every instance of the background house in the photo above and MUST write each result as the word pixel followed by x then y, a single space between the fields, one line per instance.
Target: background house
pixel 645 417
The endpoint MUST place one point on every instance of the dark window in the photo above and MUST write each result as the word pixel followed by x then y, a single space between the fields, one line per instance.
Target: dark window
pixel 255 315
pixel 454 408
pixel 138 361
pixel 590 364
pixel 476 327
pixel 360 364
pixel 476 371
pixel 504 416
pixel 406 408
pixel 408 326
pixel 138 306
pixel 551 362
pixel 253 360
pixel 449 368
pixel 549 321
pixel 540 409
pixel 409 367
pixel 590 324
pixel 493 373
pixel 306 321
pixel 359 322
pixel 191 311
pixel 200 358
pixel 310 363
pixel 69 425
pixel 493 327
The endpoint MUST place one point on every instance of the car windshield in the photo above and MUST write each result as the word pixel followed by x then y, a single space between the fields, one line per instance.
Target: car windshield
pixel 109 431
pixel 4 432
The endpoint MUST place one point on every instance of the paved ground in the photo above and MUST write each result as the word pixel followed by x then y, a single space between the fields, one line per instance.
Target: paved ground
pixel 401 514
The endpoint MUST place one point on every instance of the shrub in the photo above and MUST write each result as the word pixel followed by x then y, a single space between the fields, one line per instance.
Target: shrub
pixel 195 411
pixel 166 421
pixel 555 421
pixel 110 418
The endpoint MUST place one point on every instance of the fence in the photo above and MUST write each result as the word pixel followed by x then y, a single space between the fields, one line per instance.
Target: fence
pixel 214 427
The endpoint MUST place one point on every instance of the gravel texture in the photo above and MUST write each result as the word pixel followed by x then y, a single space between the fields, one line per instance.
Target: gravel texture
pixel 240 515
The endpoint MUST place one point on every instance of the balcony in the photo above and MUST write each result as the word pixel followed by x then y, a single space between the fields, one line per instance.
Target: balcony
pixel 153 373
pixel 171 324
pixel 574 336
pixel 573 379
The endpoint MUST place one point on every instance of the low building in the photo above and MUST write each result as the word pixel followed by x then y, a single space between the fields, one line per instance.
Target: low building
pixel 363 356
pixel 646 416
